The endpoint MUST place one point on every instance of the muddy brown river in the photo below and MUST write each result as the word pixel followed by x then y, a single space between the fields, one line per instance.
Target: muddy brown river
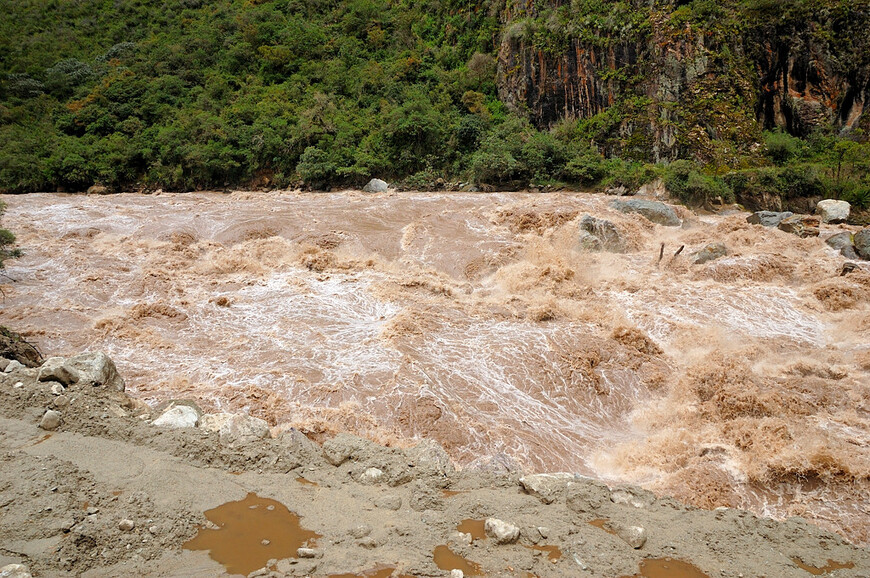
pixel 480 321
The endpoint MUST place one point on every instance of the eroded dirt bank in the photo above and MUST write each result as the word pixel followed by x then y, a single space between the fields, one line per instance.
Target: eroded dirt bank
pixel 488 323
pixel 108 493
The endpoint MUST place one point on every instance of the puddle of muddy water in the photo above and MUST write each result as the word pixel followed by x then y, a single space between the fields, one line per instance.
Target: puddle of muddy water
pixel 820 570
pixel 250 533
pixel 448 560
pixel 473 527
pixel 554 553
pixel 667 568
pixel 305 482
pixel 603 524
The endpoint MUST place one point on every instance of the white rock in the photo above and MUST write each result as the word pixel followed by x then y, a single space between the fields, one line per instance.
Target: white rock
pixel 50 420
pixel 126 525
pixel 547 487
pixel 14 365
pixel 376 186
pixel 457 573
pixel 56 388
pixel 56 369
pixel 634 536
pixel 372 476
pixel 633 497
pixel 235 428
pixel 308 553
pixel 500 531
pixel 832 211
pixel 178 416
pixel 95 368
pixel 15 571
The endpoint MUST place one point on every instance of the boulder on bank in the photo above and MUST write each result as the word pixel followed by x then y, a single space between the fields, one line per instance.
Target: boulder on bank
pixel 654 211
pixel 57 369
pixel 600 234
pixel 235 428
pixel 376 186
pixel 97 369
pixel 500 531
pixel 801 225
pixel 178 415
pixel 831 211
pixel 547 487
pixel 768 218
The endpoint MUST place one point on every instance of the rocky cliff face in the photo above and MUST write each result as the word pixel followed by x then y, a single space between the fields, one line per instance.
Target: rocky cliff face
pixel 674 84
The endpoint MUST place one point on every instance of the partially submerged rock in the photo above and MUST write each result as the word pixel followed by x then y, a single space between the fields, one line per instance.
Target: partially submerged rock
pixel 844 243
pixel 861 240
pixel 600 234
pixel 768 218
pixel 801 225
pixel 711 252
pixel 831 211
pixel 654 211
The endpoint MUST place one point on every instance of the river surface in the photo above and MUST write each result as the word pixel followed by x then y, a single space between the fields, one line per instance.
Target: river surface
pixel 478 320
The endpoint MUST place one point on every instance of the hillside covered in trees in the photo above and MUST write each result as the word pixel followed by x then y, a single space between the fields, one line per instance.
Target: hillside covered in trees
pixel 724 99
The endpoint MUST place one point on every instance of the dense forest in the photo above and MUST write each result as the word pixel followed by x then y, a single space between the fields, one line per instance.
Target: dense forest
pixel 720 98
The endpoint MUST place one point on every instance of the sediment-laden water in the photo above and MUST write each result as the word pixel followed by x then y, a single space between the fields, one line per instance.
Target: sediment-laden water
pixel 478 320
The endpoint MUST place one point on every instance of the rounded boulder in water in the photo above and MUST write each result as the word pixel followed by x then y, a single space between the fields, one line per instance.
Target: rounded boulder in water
pixel 376 186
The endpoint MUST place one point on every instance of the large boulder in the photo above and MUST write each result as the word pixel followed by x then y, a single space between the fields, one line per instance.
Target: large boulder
pixel 602 231
pixel 547 487
pixel 711 252
pixel 843 243
pixel 861 240
pixel 655 211
pixel 767 218
pixel 57 369
pixel 801 225
pixel 178 416
pixel 376 186
pixel 831 211
pixel 500 531
pixel 97 369
pixel 235 428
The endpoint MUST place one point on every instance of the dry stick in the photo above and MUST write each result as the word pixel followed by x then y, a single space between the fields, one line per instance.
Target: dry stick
pixel 680 250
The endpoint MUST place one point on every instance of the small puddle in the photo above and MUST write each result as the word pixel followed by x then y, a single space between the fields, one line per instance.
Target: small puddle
pixel 473 527
pixel 305 482
pixel 554 553
pixel 446 559
pixel 451 493
pixel 604 524
pixel 376 572
pixel 250 533
pixel 40 440
pixel 667 568
pixel 818 571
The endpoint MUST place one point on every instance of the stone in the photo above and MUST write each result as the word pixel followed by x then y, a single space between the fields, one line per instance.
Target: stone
pixel 768 218
pixel 654 211
pixel 376 186
pixel 801 225
pixel 360 531
pixel 711 252
pixel 3 363
pixel 235 428
pixel 429 457
pixel 589 242
pixel 498 464
pixel 178 416
pixel 584 496
pixel 500 531
pixel 634 536
pixel 56 388
pixel 634 497
pixel 13 366
pixel 372 476
pixel 389 502
pixel 843 243
pixel 457 573
pixel 15 571
pixel 308 553
pixel 60 402
pixel 604 231
pixel 546 487
pixel 861 240
pixel 50 420
pixel 368 543
pixel 126 525
pixel 831 211
pixel 57 369
pixel 97 369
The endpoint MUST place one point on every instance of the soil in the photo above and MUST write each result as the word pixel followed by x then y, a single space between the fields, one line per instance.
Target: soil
pixel 108 494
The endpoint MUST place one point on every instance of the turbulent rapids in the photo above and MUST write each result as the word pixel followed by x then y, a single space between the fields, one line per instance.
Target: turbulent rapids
pixel 479 321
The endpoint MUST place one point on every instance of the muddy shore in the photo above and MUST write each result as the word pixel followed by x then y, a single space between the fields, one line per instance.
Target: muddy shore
pixel 109 493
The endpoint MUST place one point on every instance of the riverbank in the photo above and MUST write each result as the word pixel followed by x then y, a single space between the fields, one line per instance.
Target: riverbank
pixel 100 490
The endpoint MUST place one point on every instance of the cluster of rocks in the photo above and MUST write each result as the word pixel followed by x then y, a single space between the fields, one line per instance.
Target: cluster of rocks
pixel 801 225
pixel 852 246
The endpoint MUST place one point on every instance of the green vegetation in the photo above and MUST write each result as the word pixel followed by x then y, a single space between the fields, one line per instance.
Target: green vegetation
pixel 187 94
pixel 7 242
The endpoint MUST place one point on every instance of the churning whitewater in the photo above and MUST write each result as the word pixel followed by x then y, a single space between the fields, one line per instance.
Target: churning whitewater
pixel 482 322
